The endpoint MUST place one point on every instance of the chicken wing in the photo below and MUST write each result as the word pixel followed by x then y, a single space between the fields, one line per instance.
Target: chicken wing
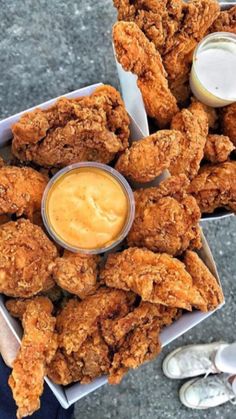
pixel 218 148
pixel 77 273
pixel 166 218
pixel 229 122
pixel 90 128
pixel 21 190
pixel 26 259
pixel 203 279
pixel 146 159
pixel 137 54
pixel 215 187
pixel 156 277
pixel 38 347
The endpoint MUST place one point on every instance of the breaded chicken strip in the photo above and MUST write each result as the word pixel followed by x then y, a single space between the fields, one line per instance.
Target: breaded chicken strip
pixel 226 21
pixel 193 124
pixel 217 148
pixel 158 19
pixel 203 279
pixel 229 122
pixel 215 187
pixel 21 190
pixel 156 277
pixel 80 319
pixel 198 17
pixel 147 158
pixel 77 273
pixel 137 54
pixel 26 256
pixel 166 218
pixel 38 347
pixel 137 337
pixel 90 128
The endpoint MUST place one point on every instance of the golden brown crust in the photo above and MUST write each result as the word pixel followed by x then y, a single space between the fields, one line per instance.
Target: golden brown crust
pixel 21 190
pixel 26 256
pixel 38 347
pixel 92 128
pixel 156 277
pixel 218 148
pixel 226 21
pixel 215 187
pixel 166 218
pixel 147 158
pixel 204 281
pixel 77 273
pixel 138 55
pixel 229 122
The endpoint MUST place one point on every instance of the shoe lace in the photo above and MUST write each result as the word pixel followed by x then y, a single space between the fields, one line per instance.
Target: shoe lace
pixel 205 361
pixel 221 383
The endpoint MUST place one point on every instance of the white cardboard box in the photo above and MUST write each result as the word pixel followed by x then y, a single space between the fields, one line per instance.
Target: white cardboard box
pixel 69 395
pixel 134 104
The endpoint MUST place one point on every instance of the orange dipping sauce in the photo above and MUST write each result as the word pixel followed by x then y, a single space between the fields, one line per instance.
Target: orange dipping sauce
pixel 87 208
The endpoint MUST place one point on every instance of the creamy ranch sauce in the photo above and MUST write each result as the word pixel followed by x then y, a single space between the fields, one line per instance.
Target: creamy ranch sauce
pixel 216 69
pixel 87 208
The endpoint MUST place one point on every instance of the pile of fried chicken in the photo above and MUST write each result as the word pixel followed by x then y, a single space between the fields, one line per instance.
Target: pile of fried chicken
pixel 85 316
pixel 155 40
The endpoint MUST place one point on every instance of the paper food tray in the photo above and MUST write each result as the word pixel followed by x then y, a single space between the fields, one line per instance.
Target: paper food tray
pixel 135 106
pixel 70 394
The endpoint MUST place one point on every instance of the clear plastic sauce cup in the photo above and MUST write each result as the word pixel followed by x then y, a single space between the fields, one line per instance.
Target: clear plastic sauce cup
pixel 88 208
pixel 213 74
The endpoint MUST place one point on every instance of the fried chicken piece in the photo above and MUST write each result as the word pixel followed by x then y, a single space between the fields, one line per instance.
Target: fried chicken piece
pixel 137 54
pixel 4 218
pixel 215 187
pixel 193 124
pixel 201 110
pixel 198 17
pixel 146 159
pixel 26 256
pixel 38 347
pixel 203 279
pixel 79 319
pixel 90 128
pixel 156 277
pixel 158 19
pixel 218 148
pixel 21 190
pixel 166 218
pixel 226 21
pixel 91 361
pixel 229 122
pixel 77 273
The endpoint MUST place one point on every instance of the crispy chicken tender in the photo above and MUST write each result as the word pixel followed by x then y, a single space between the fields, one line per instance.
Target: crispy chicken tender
pixel 229 122
pixel 166 218
pixel 215 187
pixel 92 128
pixel 21 190
pixel 158 19
pixel 203 279
pixel 198 17
pixel 26 256
pixel 156 277
pixel 193 124
pixel 226 21
pixel 138 55
pixel 147 158
pixel 78 320
pixel 201 110
pixel 218 148
pixel 38 347
pixel 77 273
pixel 136 337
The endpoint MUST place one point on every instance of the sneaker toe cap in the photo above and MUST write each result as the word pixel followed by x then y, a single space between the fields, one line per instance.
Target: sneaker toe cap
pixel 172 368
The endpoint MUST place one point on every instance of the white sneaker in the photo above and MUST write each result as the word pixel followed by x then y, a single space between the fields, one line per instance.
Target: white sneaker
pixel 203 393
pixel 191 361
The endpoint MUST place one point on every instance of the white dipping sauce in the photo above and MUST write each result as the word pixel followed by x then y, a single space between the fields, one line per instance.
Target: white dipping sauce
pixel 216 69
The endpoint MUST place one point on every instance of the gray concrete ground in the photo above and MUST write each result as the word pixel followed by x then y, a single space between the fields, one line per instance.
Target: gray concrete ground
pixel 51 47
